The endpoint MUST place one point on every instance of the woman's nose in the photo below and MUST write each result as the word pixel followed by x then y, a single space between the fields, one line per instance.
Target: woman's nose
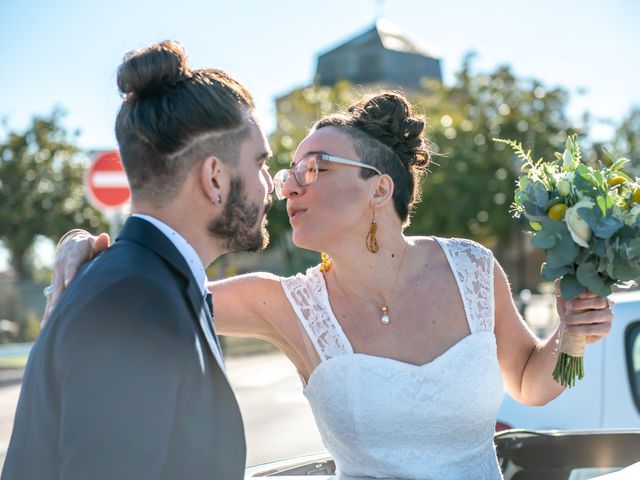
pixel 291 187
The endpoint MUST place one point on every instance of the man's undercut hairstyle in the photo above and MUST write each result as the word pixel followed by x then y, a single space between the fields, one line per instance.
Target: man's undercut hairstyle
pixel 172 117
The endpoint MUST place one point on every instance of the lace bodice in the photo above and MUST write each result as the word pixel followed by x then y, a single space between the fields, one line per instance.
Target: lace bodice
pixel 384 418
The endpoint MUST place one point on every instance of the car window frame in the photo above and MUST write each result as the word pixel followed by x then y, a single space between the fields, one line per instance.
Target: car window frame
pixel 632 335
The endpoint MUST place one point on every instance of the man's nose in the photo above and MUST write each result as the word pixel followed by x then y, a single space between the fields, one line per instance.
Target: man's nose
pixel 270 184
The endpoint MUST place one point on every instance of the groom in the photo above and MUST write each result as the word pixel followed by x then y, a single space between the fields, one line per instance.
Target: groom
pixel 126 379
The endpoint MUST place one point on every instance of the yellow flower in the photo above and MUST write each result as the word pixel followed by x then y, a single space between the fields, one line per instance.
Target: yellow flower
pixel 557 211
pixel 616 180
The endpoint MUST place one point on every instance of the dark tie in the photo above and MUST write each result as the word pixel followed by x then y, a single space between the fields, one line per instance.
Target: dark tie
pixel 209 301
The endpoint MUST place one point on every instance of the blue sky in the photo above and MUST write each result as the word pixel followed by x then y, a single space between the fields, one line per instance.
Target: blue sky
pixel 66 52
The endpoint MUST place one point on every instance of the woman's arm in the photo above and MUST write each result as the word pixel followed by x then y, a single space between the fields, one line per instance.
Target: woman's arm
pixel 526 362
pixel 246 305
pixel 249 305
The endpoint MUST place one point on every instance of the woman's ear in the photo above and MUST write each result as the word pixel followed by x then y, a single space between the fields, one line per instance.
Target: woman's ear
pixel 381 191
pixel 214 179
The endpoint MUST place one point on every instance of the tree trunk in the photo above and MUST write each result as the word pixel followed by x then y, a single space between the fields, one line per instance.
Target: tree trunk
pixel 20 267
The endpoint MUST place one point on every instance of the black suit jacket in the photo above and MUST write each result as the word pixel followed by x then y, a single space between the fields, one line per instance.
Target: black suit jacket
pixel 121 383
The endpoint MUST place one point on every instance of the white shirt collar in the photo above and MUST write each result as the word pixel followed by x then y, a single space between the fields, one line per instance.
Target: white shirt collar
pixel 184 247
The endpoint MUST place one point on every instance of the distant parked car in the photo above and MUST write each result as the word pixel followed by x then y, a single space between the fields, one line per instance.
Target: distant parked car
pixel 609 394
pixel 523 455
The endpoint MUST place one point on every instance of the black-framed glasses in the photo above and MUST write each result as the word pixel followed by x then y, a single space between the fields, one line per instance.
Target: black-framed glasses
pixel 305 171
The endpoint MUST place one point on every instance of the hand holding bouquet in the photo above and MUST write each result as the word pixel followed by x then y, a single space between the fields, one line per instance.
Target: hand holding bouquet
pixel 587 221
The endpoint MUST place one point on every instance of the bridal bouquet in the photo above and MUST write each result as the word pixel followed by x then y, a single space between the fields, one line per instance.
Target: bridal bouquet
pixel 587 220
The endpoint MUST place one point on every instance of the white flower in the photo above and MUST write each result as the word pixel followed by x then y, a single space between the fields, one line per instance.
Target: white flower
pixel 564 187
pixel 578 228
pixel 564 181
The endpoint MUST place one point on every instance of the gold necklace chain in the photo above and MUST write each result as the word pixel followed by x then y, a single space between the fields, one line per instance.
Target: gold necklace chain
pixel 384 318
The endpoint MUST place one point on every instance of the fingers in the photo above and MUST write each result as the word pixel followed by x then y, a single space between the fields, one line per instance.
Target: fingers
pixel 57 281
pixel 590 316
pixel 594 331
pixel 581 304
pixel 587 294
pixel 100 243
pixel 77 248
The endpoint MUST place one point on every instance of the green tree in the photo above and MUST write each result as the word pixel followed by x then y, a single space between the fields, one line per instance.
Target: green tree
pixel 627 139
pixel 41 188
pixel 469 190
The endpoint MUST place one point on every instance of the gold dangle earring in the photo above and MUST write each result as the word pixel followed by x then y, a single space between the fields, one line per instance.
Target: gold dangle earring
pixel 325 266
pixel 371 241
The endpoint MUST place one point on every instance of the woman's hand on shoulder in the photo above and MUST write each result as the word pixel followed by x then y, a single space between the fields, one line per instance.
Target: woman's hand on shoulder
pixel 74 249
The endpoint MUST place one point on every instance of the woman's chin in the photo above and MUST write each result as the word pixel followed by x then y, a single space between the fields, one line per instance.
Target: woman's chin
pixel 301 240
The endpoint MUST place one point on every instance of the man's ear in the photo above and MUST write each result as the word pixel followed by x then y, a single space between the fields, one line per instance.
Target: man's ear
pixel 381 191
pixel 214 179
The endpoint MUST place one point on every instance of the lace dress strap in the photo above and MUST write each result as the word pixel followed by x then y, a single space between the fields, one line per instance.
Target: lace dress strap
pixel 472 266
pixel 307 294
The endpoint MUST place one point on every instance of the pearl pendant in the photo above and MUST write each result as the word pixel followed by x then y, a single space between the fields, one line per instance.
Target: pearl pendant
pixel 385 315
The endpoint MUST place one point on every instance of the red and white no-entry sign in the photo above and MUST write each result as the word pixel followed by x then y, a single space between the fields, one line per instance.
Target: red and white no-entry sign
pixel 106 183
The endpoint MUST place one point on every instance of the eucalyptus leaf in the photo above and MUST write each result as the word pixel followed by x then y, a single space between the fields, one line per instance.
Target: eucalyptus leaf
pixel 599 247
pixel 531 209
pixel 633 248
pixel 603 264
pixel 624 270
pixel 588 276
pixel 584 255
pixel 538 194
pixel 550 274
pixel 584 181
pixel 570 286
pixel 563 253
pixel 601 226
pixel 627 233
pixel 544 239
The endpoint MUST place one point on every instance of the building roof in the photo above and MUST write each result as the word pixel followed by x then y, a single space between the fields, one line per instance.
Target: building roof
pixel 391 37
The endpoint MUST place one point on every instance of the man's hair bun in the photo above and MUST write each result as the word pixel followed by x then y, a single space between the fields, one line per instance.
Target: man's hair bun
pixel 149 69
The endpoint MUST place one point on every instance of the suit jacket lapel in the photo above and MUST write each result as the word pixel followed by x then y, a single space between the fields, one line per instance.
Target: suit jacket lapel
pixel 144 233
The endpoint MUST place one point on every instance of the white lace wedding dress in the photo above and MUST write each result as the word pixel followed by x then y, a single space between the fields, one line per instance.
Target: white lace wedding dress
pixel 384 418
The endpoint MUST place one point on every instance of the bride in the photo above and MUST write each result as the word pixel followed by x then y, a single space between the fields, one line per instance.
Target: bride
pixel 405 344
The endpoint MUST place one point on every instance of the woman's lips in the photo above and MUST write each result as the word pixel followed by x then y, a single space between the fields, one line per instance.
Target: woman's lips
pixel 295 214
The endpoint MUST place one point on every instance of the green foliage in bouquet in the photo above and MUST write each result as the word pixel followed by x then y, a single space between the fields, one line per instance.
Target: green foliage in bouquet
pixel 587 220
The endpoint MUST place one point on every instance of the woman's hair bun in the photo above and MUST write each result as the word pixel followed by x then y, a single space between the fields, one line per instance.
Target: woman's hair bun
pixel 389 118
pixel 153 68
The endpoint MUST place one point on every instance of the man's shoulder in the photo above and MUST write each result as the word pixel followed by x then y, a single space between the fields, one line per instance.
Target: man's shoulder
pixel 126 263
pixel 124 281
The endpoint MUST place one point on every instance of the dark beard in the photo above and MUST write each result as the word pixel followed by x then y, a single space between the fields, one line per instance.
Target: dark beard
pixel 238 226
